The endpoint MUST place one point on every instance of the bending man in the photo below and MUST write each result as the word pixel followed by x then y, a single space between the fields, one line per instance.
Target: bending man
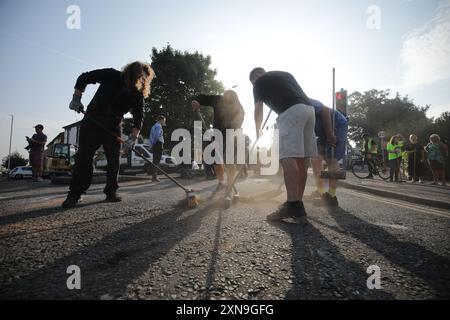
pixel 296 120
pixel 228 114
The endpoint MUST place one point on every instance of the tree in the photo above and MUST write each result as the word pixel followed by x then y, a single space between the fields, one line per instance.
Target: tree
pixel 16 160
pixel 441 126
pixel 374 111
pixel 179 77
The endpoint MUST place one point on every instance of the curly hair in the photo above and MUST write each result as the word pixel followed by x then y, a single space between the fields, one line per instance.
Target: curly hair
pixel 230 110
pixel 139 75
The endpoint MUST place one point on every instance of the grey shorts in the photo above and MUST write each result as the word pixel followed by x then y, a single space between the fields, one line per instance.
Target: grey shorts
pixel 297 138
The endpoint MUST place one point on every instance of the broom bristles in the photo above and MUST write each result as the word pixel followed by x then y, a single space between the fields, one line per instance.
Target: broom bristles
pixel 192 201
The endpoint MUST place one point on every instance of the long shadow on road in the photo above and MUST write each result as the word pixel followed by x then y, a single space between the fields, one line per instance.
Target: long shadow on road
pixel 110 265
pixel 321 271
pixel 430 267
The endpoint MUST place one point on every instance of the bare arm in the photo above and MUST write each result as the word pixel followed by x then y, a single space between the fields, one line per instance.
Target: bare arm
pixel 325 114
pixel 258 117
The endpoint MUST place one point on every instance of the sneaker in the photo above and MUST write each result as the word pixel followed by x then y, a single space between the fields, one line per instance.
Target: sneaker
pixel 370 177
pixel 156 179
pixel 113 197
pixel 71 201
pixel 288 210
pixel 327 200
pixel 39 179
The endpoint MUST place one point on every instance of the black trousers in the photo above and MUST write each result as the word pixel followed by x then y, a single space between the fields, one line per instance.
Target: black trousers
pixel 394 166
pixel 157 154
pixel 91 138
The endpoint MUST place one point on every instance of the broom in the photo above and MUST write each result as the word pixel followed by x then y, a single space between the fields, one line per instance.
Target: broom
pixel 192 201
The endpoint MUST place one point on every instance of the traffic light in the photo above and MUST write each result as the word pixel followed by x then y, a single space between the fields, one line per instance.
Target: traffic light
pixel 341 101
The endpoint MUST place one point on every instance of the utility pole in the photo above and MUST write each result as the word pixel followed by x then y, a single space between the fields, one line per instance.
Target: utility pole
pixel 10 140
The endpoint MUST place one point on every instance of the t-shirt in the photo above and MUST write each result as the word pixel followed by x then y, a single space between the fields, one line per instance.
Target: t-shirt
pixel 435 153
pixel 339 119
pixel 279 91
pixel 37 147
pixel 227 114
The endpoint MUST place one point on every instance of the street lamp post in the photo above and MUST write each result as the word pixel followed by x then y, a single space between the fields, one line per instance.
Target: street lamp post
pixel 10 140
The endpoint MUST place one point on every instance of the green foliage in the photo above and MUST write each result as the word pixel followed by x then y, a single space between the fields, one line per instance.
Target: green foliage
pixel 179 77
pixel 16 160
pixel 373 111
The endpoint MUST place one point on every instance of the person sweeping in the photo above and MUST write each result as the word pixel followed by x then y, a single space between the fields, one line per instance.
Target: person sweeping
pixel 120 92
pixel 228 114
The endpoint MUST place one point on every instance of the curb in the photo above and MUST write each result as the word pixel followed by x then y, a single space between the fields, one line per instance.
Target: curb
pixel 378 192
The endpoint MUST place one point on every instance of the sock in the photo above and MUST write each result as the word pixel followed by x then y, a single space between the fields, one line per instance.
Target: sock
pixel 332 192
pixel 321 190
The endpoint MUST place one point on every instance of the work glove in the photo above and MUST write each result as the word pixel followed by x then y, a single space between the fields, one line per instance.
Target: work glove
pixel 129 144
pixel 76 104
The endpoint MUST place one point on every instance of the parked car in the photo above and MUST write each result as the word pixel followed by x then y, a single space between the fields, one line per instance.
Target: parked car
pixel 21 172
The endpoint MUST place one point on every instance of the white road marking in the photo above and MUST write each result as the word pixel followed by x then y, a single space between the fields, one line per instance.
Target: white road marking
pixel 415 207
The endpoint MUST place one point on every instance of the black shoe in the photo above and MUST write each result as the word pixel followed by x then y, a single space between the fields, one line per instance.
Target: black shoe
pixel 113 197
pixel 71 201
pixel 300 210
pixel 326 201
pixel 370 177
pixel 288 210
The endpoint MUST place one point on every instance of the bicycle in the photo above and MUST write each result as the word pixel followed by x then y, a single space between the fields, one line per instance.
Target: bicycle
pixel 360 168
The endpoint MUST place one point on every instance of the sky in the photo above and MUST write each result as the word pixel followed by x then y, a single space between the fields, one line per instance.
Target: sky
pixel 401 45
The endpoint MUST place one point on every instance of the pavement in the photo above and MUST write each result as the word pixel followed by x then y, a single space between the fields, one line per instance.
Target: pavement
pixel 151 247
pixel 431 195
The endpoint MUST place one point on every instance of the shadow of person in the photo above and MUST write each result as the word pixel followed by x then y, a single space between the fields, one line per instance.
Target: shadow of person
pixel 43 212
pixel 111 264
pixel 430 267
pixel 320 270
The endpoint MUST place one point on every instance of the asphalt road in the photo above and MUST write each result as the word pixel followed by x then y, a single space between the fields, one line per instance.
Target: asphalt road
pixel 151 247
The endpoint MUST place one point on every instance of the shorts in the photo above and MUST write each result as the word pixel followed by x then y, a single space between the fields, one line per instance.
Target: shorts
pixel 296 132
pixel 339 151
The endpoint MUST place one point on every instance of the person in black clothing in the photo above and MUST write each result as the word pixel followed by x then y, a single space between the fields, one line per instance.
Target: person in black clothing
pixel 416 159
pixel 120 92
pixel 228 114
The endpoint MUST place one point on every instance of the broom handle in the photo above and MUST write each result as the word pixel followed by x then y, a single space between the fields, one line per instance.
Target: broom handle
pixel 135 151
pixel 162 171
pixel 333 116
